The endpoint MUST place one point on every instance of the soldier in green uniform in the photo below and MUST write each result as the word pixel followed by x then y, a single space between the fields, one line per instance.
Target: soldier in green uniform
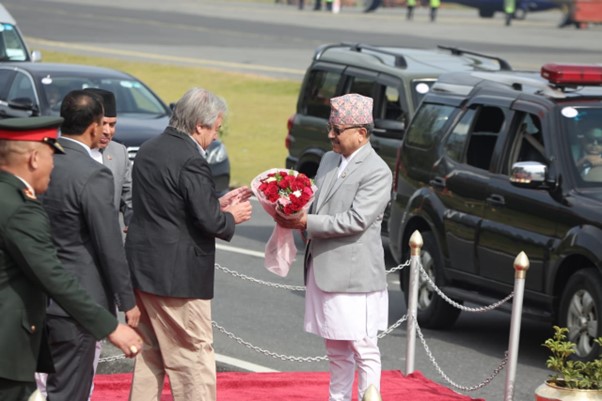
pixel 29 268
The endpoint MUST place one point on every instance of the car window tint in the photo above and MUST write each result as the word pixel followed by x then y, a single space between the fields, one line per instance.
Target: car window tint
pixel 362 86
pixel 529 143
pixel 6 77
pixel 322 85
pixel 390 107
pixel 487 126
pixel 456 142
pixel 581 125
pixel 12 47
pixel 429 125
pixel 21 88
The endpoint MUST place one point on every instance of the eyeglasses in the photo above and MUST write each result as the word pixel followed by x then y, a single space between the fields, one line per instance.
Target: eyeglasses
pixel 338 131
pixel 594 139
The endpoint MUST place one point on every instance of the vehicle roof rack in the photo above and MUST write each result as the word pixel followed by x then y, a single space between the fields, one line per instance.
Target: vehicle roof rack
pixel 400 60
pixel 520 83
pixel 504 65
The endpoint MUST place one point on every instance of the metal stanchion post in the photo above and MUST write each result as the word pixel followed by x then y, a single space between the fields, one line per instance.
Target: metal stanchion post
pixel 416 243
pixel 521 265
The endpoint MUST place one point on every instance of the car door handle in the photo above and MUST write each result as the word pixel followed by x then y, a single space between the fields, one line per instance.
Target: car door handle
pixel 496 200
pixel 379 130
pixel 437 182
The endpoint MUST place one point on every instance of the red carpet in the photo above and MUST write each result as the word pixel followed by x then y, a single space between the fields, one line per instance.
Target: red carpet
pixel 288 386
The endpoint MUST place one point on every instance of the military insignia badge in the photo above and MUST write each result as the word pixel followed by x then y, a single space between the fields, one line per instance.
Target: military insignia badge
pixel 29 193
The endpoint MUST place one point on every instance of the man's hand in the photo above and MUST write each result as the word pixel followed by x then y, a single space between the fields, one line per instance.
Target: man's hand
pixel 236 195
pixel 240 210
pixel 126 339
pixel 592 160
pixel 294 224
pixel 132 317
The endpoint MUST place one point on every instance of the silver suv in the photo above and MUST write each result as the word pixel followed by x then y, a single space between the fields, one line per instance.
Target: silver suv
pixel 12 45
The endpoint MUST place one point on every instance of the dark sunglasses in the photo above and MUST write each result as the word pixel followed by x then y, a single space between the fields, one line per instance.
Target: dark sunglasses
pixel 338 131
pixel 593 139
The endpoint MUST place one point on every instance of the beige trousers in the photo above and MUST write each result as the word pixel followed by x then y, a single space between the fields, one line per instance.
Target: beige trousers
pixel 178 341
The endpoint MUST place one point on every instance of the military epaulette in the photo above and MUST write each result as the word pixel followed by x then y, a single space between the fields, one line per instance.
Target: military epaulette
pixel 28 194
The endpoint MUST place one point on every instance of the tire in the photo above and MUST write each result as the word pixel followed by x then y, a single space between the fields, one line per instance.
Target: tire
pixel 580 308
pixel 520 14
pixel 486 12
pixel 433 311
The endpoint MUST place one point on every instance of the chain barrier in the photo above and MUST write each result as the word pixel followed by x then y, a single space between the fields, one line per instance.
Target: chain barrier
pixel 273 285
pixel 270 353
pixel 266 352
pixel 111 358
pixel 284 286
pixel 257 281
pixel 404 318
pixel 485 382
pixel 450 301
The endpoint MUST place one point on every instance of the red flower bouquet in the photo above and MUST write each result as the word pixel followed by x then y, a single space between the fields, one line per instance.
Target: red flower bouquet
pixel 286 192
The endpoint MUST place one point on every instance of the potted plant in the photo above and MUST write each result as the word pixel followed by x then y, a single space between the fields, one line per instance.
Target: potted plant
pixel 572 380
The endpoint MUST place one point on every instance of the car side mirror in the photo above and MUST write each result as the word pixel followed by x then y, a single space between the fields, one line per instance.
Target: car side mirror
pixel 529 175
pixel 36 56
pixel 25 104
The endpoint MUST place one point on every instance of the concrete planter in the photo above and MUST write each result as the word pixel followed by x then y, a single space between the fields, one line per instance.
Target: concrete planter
pixel 551 392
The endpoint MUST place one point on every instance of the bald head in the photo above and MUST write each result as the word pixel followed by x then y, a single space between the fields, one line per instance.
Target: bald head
pixel 11 152
pixel 30 161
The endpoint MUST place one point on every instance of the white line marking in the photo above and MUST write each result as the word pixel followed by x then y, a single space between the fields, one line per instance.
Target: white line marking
pixel 242 251
pixel 251 367
pixel 162 57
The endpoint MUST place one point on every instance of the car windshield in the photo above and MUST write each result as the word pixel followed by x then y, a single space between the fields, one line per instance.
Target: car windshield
pixel 583 126
pixel 12 47
pixel 133 98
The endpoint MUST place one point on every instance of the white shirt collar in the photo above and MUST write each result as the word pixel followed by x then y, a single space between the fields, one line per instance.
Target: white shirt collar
pixel 88 150
pixel 345 160
pixel 26 184
pixel 96 155
pixel 201 150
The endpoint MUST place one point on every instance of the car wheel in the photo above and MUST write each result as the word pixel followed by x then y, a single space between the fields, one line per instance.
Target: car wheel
pixel 433 311
pixel 520 13
pixel 486 12
pixel 580 308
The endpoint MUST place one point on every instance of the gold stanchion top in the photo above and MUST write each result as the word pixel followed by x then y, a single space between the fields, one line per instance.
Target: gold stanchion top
pixel 521 265
pixel 416 243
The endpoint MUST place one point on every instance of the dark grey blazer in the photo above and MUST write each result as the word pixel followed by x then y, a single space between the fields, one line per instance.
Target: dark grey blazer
pixel 171 239
pixel 115 157
pixel 85 228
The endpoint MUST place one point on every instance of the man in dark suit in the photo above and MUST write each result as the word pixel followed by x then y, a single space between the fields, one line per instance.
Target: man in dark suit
pixel 115 156
pixel 29 267
pixel 85 229
pixel 171 250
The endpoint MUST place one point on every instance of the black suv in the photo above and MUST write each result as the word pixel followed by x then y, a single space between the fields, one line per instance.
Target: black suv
pixel 396 78
pixel 498 163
